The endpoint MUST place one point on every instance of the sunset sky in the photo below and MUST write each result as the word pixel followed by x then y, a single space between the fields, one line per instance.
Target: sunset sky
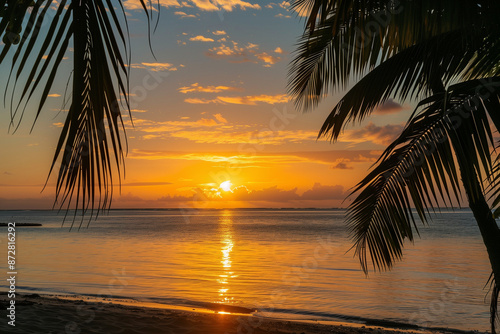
pixel 212 107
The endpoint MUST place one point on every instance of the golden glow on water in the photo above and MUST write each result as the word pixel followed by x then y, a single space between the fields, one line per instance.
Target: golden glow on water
pixel 227 244
pixel 289 260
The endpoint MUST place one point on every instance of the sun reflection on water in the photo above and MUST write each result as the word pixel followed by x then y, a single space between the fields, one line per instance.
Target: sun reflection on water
pixel 227 244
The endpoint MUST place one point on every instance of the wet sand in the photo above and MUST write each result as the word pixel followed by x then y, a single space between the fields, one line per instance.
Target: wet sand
pixel 36 314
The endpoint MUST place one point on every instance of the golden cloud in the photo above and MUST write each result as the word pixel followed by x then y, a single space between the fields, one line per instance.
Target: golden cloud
pixel 208 89
pixel 267 58
pixel 239 54
pixel 389 107
pixel 262 158
pixel 382 135
pixel 227 5
pixel 252 100
pixel 220 118
pixel 198 101
pixel 231 51
pixel 201 38
pixel 242 100
pixel 212 131
pixel 272 194
pixel 184 15
pixel 155 67
pixel 205 5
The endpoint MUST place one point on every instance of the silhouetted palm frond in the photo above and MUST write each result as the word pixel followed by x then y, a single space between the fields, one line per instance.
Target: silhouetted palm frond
pixel 410 50
pixel 357 35
pixel 419 170
pixel 92 142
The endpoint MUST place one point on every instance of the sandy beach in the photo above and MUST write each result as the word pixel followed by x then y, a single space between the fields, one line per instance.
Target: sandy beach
pixel 36 314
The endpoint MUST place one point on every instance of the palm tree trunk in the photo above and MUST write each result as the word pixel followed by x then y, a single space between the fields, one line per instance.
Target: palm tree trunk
pixel 488 227
pixel 489 232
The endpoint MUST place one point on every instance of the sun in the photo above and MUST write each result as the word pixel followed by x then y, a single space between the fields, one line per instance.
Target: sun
pixel 226 185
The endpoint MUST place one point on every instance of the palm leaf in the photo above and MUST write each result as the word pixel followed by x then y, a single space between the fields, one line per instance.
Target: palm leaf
pixel 91 146
pixel 356 35
pixel 411 73
pixel 419 170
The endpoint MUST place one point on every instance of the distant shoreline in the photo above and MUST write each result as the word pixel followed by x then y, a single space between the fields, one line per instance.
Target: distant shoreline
pixel 213 209
pixel 21 224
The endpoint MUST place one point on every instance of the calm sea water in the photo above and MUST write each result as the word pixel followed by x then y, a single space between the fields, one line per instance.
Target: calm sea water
pixel 286 261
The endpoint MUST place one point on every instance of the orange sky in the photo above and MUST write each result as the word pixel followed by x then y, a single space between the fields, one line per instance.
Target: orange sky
pixel 211 107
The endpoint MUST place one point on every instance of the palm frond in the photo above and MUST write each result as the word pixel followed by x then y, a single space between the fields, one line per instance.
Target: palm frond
pixel 356 35
pixel 413 72
pixel 92 143
pixel 419 170
pixel 422 17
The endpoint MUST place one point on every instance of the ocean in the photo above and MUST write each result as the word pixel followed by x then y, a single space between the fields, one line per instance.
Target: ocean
pixel 295 264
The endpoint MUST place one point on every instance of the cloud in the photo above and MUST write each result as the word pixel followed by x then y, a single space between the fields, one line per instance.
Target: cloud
pixel 382 135
pixel 213 131
pixel 282 16
pixel 127 198
pixel 274 194
pixel 235 53
pixel 145 184
pixel 136 4
pixel 231 51
pixel 184 15
pixel 285 5
pixel 154 129
pixel 200 38
pixel 252 100
pixel 241 159
pixel 204 5
pixel 205 194
pixel 207 89
pixel 278 50
pixel 246 137
pixel 341 165
pixel 227 5
pixel 268 59
pixel 219 32
pixel 242 100
pixel 271 194
pixel 220 118
pixel 155 67
pixel 54 95
pixel 182 198
pixel 199 101
pixel 389 107
pixel 320 192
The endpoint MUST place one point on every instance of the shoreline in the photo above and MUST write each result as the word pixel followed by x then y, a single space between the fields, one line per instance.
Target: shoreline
pixel 187 208
pixel 87 314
